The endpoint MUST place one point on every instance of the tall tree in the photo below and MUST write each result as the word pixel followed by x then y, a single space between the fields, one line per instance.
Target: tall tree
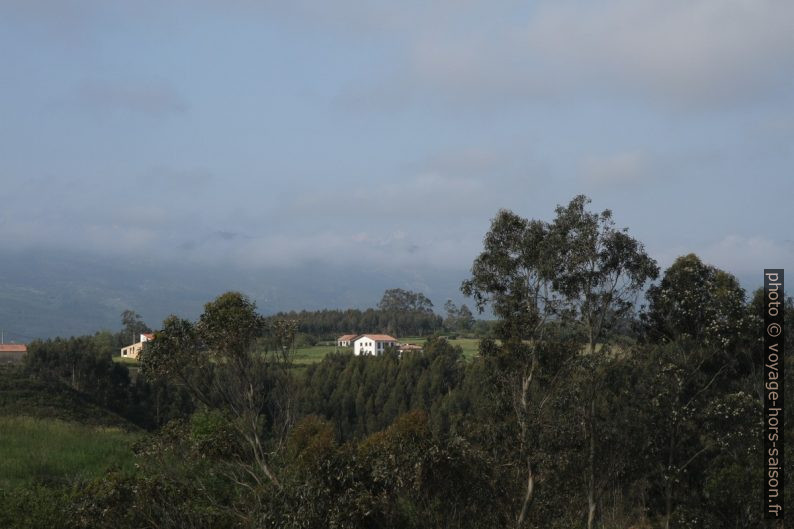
pixel 514 275
pixel 399 300
pixel 696 302
pixel 601 269
pixel 132 327
pixel 217 360
pixel 458 319
pixel 600 273
pixel 697 317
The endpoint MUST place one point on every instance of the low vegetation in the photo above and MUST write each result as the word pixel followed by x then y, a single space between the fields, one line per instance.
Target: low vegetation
pixel 53 451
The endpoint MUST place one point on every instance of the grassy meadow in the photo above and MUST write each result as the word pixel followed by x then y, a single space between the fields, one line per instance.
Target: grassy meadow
pixel 51 434
pixel 309 355
pixel 304 356
pixel 37 450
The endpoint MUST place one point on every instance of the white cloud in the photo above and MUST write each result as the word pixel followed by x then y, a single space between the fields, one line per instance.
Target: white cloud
pixel 680 52
pixel 684 49
pixel 742 256
pixel 749 255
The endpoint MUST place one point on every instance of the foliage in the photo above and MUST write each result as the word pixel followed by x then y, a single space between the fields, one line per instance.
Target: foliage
pixel 362 395
pixel 86 366
pixel 34 506
pixel 132 327
pixel 513 274
pixel 600 269
pixel 458 318
pixel 564 419
pixel 330 324
pixel 399 300
pixel 696 302
pixel 217 361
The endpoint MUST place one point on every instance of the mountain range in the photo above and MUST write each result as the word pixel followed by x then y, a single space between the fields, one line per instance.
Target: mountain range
pixel 46 294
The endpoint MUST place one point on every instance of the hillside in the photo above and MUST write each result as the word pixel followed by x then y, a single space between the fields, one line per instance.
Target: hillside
pixel 23 396
pixel 53 436
pixel 45 295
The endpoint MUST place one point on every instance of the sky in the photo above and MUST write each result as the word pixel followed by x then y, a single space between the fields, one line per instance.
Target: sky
pixel 258 135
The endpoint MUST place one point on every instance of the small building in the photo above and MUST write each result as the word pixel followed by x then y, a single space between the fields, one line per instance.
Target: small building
pixel 408 347
pixel 132 351
pixel 346 340
pixel 372 344
pixel 12 353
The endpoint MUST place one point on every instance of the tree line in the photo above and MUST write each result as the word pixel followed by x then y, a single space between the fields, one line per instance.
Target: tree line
pixel 330 324
pixel 608 397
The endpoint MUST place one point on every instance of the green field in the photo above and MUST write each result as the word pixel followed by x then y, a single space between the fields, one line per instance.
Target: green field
pixel 50 433
pixel 310 355
pixel 54 451
pixel 470 346
pixel 304 356
pixel 129 362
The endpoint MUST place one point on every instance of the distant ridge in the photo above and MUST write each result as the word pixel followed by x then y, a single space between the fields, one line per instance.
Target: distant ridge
pixel 49 294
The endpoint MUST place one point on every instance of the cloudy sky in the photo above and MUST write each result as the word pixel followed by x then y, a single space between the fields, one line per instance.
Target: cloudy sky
pixel 261 135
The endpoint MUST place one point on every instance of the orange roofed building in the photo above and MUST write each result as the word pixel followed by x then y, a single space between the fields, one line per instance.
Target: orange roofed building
pixel 134 350
pixel 12 353
pixel 346 340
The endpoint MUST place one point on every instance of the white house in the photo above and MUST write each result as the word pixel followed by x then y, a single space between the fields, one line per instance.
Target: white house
pixel 372 344
pixel 346 340
pixel 132 351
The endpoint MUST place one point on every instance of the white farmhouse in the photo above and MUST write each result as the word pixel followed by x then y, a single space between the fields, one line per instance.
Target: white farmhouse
pixel 372 344
pixel 345 340
pixel 132 351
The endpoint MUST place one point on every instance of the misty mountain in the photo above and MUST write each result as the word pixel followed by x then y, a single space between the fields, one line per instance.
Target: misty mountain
pixel 47 294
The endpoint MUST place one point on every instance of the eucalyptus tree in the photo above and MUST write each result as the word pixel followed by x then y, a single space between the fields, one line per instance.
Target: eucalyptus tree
pixel 400 300
pixel 513 275
pixel 698 303
pixel 218 361
pixel 698 321
pixel 600 272
pixel 601 269
pixel 458 318
pixel 132 327
pixel 578 272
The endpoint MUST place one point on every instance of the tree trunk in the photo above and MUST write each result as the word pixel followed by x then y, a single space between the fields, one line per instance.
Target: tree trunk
pixel 591 492
pixel 530 493
pixel 591 340
pixel 591 511
pixel 668 490
pixel 157 409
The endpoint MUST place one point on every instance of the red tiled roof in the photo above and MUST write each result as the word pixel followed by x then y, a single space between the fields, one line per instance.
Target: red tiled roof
pixel 379 337
pixel 346 337
pixel 149 335
pixel 13 348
